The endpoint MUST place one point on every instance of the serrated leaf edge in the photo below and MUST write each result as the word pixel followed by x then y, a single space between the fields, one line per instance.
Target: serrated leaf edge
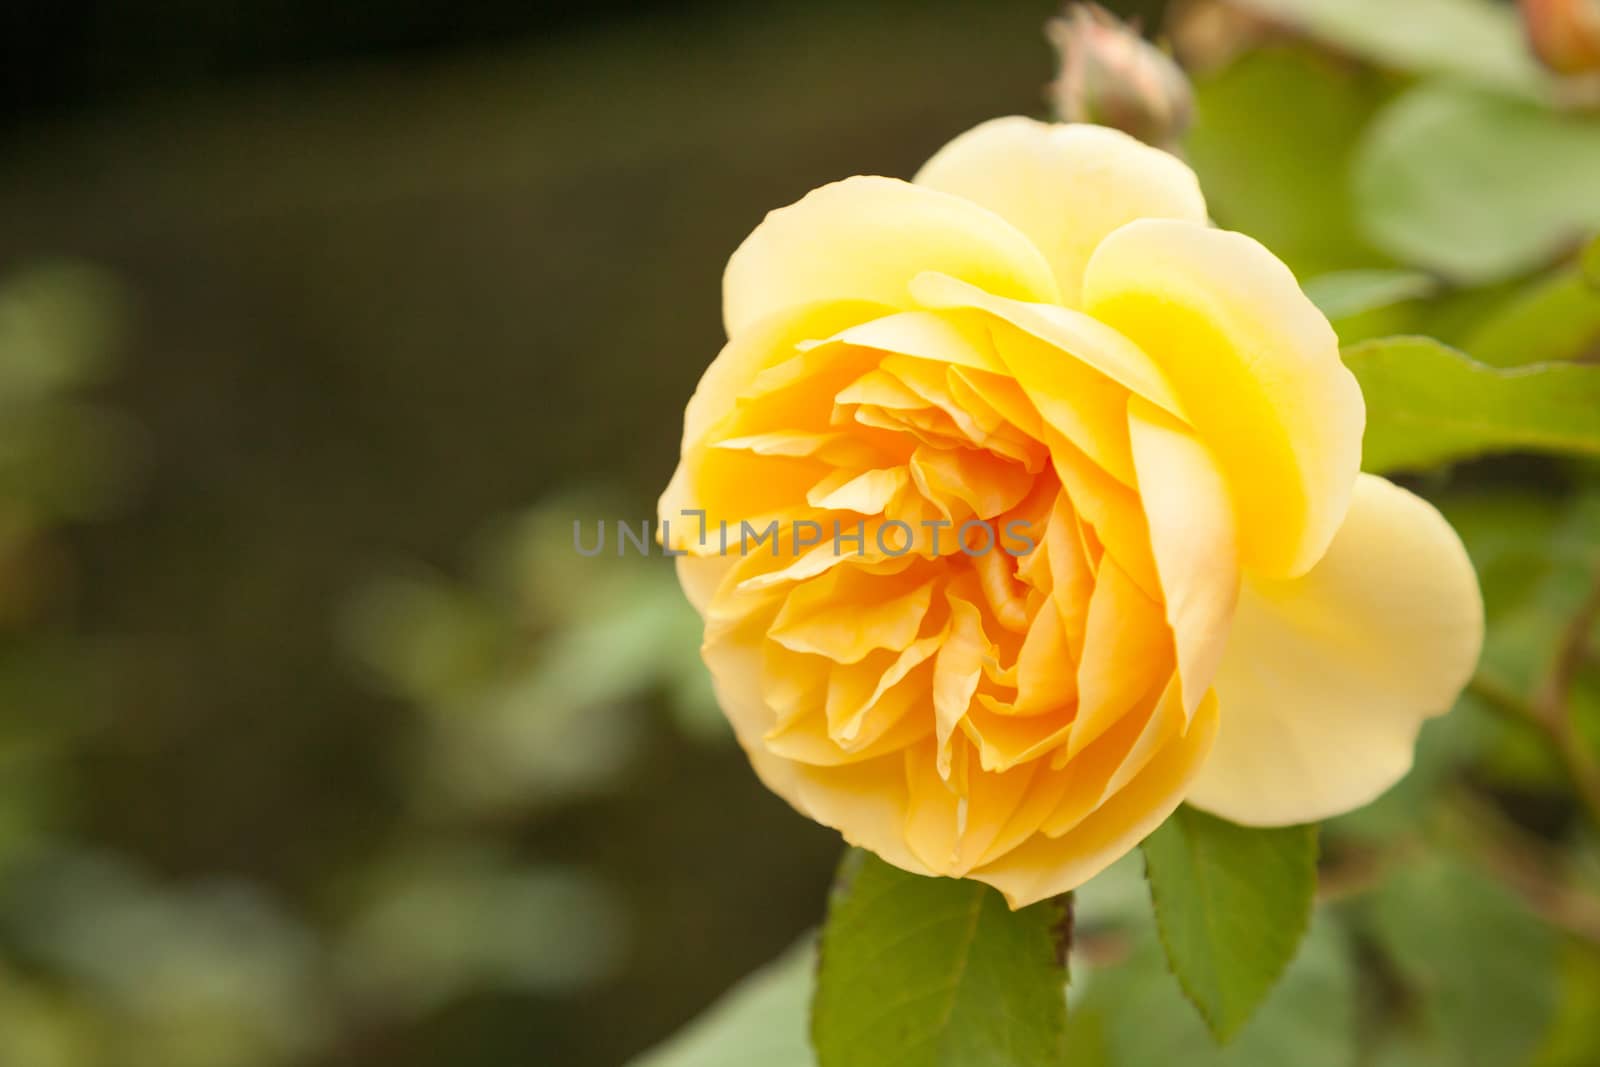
pixel 1221 1034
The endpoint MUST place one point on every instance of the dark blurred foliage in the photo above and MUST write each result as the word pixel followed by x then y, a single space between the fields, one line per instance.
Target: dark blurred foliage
pixel 71 54
pixel 55 56
pixel 384 275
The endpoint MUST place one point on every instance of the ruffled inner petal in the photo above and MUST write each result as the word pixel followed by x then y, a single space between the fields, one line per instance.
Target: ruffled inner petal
pixel 1000 642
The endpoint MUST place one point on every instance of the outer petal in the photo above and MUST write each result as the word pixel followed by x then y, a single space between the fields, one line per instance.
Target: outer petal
pixel 865 238
pixel 1124 649
pixel 1327 678
pixel 945 337
pixel 1193 541
pixel 769 342
pixel 1065 186
pixel 701 576
pixel 1257 369
pixel 1073 332
pixel 1043 866
pixel 866 802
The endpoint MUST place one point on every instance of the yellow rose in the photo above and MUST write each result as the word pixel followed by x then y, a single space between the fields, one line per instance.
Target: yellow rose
pixel 1190 592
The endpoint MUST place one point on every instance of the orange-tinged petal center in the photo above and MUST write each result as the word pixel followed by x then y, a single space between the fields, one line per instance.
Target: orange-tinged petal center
pixel 944 562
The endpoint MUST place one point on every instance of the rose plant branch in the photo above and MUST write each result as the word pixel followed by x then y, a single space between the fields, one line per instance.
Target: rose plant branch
pixel 1554 697
pixel 1550 711
pixel 1528 865
pixel 1525 864
pixel 1557 734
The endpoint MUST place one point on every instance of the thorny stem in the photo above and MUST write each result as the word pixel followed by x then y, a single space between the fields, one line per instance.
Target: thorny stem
pixel 1550 711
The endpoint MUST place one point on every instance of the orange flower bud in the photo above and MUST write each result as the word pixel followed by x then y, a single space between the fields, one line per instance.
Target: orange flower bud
pixel 1565 34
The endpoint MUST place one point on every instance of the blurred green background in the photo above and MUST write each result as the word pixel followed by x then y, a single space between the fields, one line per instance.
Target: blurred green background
pixel 320 324
pixel 311 751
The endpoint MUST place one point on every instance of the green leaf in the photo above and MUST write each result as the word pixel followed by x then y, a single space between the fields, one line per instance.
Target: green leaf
pixel 1428 404
pixel 936 972
pixel 1273 138
pixel 1475 185
pixel 761 1021
pixel 1551 319
pixel 1556 317
pixel 1232 904
pixel 1590 262
pixel 1477 41
pixel 1574 1036
pixel 1131 1014
pixel 1346 293
pixel 1482 968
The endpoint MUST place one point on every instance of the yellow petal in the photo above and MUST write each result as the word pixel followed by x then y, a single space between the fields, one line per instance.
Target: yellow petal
pixel 1327 678
pixel 1113 510
pixel 986 484
pixel 1043 866
pixel 701 576
pixel 993 799
pixel 868 709
pixel 949 337
pixel 857 691
pixel 730 485
pixel 956 674
pixel 806 739
pixel 1083 405
pixel 1047 670
pixel 935 383
pixel 949 831
pixel 804 552
pixel 1114 759
pixel 773 342
pixel 1257 369
pixel 837 448
pixel 1126 654
pixel 1192 538
pixel 935 814
pixel 998 404
pixel 1072 332
pixel 1065 186
pixel 1071 580
pixel 866 493
pixel 846 613
pixel 865 238
pixel 865 801
pixel 1005 740
pixel 793 685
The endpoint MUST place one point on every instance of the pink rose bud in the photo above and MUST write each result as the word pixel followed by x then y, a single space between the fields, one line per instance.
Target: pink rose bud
pixel 1111 76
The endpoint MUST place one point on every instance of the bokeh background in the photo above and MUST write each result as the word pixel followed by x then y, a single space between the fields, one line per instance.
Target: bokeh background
pixel 319 325
pixel 311 750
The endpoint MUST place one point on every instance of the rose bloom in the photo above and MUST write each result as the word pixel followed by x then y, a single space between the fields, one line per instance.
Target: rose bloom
pixel 1043 334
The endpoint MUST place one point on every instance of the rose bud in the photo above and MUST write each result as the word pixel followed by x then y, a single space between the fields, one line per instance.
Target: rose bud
pixel 1564 34
pixel 1111 76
